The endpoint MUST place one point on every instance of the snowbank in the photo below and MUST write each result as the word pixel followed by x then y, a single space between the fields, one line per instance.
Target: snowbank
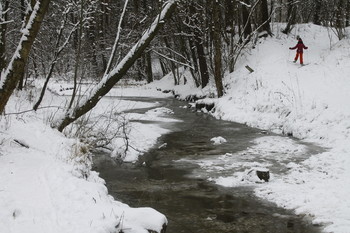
pixel 46 182
pixel 310 103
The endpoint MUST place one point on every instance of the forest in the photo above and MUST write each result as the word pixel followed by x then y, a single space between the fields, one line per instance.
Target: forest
pixel 103 41
pixel 145 115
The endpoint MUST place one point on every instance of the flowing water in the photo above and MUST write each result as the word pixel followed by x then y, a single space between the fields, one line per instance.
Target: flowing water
pixel 173 176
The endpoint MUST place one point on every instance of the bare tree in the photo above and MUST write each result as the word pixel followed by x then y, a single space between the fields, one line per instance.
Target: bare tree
pixel 108 81
pixel 58 49
pixel 116 42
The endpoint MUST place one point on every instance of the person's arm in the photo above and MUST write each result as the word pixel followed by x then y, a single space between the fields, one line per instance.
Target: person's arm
pixel 305 47
pixel 292 48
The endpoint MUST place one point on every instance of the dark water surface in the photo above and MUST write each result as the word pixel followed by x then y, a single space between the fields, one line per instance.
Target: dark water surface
pixel 191 203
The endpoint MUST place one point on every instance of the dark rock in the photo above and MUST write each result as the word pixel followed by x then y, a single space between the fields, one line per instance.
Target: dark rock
pixel 263 175
pixel 191 98
pixel 161 231
pixel 207 106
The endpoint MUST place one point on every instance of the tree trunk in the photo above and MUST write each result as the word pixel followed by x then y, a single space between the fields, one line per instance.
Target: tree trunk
pixel 3 27
pixel 165 71
pixel 265 17
pixel 198 41
pixel 116 41
pixel 149 71
pixel 340 19
pixel 229 16
pixel 25 18
pixel 107 83
pixel 172 64
pixel 77 56
pixel 15 69
pixel 247 27
pixel 291 16
pixel 317 12
pixel 347 24
pixel 203 67
pixel 217 48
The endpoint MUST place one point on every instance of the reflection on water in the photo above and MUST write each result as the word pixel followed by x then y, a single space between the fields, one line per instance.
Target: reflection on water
pixel 181 191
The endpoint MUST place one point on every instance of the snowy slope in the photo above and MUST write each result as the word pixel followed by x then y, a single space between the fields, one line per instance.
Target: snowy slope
pixel 44 188
pixel 309 102
pixel 46 182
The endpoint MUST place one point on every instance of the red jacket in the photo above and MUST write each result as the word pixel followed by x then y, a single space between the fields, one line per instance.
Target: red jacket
pixel 300 46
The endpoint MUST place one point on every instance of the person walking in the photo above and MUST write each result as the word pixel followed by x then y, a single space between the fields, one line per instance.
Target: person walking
pixel 300 48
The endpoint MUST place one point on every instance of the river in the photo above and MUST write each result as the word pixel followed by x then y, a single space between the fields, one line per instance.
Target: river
pixel 174 177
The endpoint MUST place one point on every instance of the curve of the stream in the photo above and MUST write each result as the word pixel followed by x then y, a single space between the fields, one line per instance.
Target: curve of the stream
pixel 180 178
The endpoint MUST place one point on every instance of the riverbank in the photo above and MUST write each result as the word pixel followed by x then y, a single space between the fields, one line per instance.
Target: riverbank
pixel 47 185
pixel 309 102
pixel 173 176
pixel 46 181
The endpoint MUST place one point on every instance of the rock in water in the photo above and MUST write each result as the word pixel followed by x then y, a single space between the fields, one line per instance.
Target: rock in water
pixel 263 175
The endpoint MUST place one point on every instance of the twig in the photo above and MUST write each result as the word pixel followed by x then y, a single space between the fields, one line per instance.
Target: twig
pixel 21 143
pixel 173 60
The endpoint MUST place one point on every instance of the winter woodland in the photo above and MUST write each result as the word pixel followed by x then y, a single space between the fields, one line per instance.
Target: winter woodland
pixel 61 61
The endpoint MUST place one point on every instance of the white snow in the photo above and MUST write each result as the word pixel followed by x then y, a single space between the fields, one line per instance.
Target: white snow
pixel 49 187
pixel 310 102
pixel 218 140
pixel 17 54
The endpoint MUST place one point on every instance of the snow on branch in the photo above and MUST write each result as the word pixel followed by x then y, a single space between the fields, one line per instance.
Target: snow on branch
pixel 116 42
pixel 173 60
pixel 17 54
pixel 111 78
pixel 5 22
pixel 245 4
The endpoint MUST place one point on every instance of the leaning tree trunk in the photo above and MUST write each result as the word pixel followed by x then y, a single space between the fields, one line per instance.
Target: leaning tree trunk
pixel 25 18
pixel 107 83
pixel 15 69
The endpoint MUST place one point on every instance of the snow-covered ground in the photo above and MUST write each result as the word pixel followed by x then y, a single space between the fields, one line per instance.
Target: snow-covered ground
pixel 46 182
pixel 49 186
pixel 310 103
